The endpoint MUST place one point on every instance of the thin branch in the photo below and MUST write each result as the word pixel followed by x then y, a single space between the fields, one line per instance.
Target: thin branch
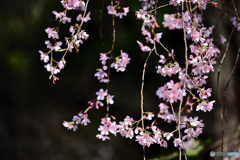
pixel 235 9
pixel 225 89
pixel 166 49
pixel 158 8
pixel 184 82
pixel 111 52
pixel 101 35
pixel 143 78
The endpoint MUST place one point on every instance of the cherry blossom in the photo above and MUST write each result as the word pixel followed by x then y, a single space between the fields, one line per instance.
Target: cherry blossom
pixel 121 62
pixel 73 4
pixel 102 76
pixel 124 13
pixel 144 140
pixel 101 94
pixel 109 99
pixel 177 142
pixel 44 57
pixel 205 106
pixel 52 33
pixel 144 48
pixel 222 39
pixel 168 135
pixel 84 19
pixel 103 58
pixel 176 2
pixel 62 64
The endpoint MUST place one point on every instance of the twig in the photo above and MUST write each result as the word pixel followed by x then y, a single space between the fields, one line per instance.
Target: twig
pixel 158 8
pixel 184 82
pixel 143 78
pixel 225 89
pixel 166 49
pixel 111 52
pixel 235 9
pixel 101 35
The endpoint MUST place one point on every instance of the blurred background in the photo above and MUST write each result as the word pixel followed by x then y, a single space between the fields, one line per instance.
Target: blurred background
pixel 32 109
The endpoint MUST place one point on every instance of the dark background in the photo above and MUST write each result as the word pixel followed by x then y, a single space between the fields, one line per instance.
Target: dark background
pixel 32 109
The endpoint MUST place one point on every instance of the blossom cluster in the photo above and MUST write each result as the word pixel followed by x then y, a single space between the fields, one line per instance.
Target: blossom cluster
pixel 76 38
pixel 152 134
pixel 171 93
pixel 128 129
pixel 119 64
pixel 118 9
pixel 168 69
pixel 81 118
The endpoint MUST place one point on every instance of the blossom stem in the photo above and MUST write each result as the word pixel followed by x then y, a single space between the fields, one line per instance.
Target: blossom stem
pixel 184 82
pixel 101 35
pixel 142 111
pixel 111 52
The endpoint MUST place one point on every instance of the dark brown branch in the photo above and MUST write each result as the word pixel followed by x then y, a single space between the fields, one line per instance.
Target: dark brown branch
pixel 101 35
pixel 111 53
pixel 218 88
pixel 229 80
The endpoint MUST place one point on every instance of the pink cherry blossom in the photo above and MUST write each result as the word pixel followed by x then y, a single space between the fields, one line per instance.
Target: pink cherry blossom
pixel 150 115
pixel 101 94
pixel 62 64
pixel 124 13
pixel 113 128
pixel 102 137
pixel 52 33
pixel 58 15
pixel 194 122
pixel 98 103
pixel 85 19
pixel 144 140
pixel 177 142
pixel 163 108
pixel 109 99
pixel 101 76
pixel 103 58
pixel 144 48
pixel 158 36
pixel 168 135
pixel 73 4
pixel 51 69
pixel 44 57
pixel 121 62
pixel 111 10
pixel 176 2
pixel 163 143
pixel 141 14
pixel 205 106
pixel 85 119
pixel 222 39
pixel 103 129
